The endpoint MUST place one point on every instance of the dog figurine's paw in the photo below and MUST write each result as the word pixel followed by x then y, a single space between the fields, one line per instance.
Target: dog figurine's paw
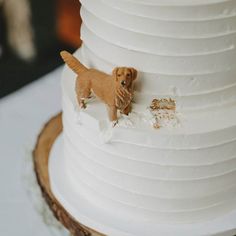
pixel 114 123
pixel 126 111
pixel 82 104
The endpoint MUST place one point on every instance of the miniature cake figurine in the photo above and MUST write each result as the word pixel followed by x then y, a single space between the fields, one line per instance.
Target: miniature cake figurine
pixel 116 90
pixel 169 167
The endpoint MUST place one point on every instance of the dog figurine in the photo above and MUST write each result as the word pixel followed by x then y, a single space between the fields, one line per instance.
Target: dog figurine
pixel 19 29
pixel 115 90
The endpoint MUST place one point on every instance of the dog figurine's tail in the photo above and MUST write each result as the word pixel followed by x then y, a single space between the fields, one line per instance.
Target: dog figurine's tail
pixel 73 62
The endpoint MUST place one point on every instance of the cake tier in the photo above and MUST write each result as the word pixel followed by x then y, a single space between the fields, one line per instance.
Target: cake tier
pixel 184 49
pixel 114 224
pixel 172 175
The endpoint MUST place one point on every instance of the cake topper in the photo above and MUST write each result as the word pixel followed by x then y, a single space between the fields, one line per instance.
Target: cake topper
pixel 115 90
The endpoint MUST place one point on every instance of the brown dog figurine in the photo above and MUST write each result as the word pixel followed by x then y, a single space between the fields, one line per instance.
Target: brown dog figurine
pixel 115 90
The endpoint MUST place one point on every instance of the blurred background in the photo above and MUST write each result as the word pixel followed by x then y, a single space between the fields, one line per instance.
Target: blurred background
pixel 31 35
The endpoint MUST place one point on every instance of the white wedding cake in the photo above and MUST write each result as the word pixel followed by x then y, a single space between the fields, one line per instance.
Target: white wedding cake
pixel 134 179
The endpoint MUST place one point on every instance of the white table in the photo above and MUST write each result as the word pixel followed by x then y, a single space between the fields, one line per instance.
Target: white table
pixel 23 212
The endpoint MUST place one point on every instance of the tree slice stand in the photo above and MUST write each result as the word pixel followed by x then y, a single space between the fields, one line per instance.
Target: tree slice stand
pixel 45 141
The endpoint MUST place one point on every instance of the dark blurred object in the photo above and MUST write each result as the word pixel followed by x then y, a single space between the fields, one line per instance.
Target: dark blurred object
pixel 46 17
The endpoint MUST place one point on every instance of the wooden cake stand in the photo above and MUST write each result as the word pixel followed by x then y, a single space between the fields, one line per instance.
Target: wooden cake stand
pixel 41 156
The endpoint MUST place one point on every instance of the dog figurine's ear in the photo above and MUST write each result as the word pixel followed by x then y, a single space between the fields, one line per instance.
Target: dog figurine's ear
pixel 134 73
pixel 114 72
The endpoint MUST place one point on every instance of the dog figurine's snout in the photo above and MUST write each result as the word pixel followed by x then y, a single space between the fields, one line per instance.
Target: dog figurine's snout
pixel 123 83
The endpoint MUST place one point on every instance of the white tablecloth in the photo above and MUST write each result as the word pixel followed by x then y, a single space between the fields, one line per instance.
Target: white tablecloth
pixel 22 115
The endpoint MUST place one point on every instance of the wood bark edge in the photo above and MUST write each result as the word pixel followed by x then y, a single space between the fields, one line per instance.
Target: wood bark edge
pixel 41 152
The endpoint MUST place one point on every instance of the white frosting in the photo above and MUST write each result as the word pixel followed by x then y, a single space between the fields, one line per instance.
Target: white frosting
pixel 180 173
pixel 173 175
pixel 96 217
pixel 184 54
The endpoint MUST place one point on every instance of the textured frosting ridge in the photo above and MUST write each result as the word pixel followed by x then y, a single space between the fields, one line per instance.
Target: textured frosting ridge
pixel 185 50
pixel 173 176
